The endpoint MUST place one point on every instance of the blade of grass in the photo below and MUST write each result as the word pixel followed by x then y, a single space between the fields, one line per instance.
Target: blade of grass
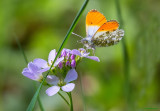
pixel 26 60
pixel 33 101
pixel 125 57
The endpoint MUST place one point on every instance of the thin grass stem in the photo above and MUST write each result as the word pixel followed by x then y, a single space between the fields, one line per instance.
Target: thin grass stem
pixel 33 101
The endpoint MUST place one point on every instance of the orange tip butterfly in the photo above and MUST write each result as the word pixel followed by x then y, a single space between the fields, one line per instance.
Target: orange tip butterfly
pixel 100 32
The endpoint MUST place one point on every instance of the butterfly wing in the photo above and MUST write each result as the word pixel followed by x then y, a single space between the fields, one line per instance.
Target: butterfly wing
pixel 94 20
pixel 108 34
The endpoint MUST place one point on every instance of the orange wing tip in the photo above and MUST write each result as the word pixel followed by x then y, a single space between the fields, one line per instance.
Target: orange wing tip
pixel 94 17
pixel 111 25
pixel 113 21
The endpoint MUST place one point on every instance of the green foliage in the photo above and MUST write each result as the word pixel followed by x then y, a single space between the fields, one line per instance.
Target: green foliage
pixel 41 26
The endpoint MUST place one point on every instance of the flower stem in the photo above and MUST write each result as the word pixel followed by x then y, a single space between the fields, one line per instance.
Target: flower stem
pixel 26 60
pixel 63 98
pixel 71 103
pixel 125 58
pixel 34 98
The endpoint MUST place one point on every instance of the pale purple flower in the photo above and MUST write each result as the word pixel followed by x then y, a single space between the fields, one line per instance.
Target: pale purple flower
pixel 58 84
pixel 46 65
pixel 82 53
pixel 33 72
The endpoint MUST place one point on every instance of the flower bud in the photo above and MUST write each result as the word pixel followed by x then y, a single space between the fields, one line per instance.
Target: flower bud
pixel 73 63
pixel 68 54
pixel 67 63
pixel 60 65
pixel 72 57
pixel 64 53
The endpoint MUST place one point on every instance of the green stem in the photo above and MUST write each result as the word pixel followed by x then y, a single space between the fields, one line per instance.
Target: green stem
pixel 63 98
pixel 40 104
pixel 33 101
pixel 125 56
pixel 71 103
pixel 26 60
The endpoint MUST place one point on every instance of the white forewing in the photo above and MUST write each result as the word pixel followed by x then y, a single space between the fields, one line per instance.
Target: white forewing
pixel 91 30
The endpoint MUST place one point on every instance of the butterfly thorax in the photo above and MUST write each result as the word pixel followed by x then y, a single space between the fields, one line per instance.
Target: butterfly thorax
pixel 88 43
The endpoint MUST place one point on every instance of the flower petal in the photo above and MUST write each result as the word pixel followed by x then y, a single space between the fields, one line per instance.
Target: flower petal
pixel 44 70
pixel 58 61
pixel 25 70
pixel 52 90
pixel 51 79
pixel 93 58
pixel 76 52
pixel 33 68
pixel 85 54
pixel 68 87
pixel 51 56
pixel 68 50
pixel 40 63
pixel 71 76
pixel 30 76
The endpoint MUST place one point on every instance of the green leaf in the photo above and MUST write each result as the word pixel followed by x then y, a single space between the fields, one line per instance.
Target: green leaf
pixel 34 99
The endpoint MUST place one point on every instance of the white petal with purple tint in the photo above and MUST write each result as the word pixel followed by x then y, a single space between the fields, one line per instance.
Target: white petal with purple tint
pixel 68 87
pixel 85 54
pixel 29 75
pixel 51 79
pixel 25 70
pixel 51 56
pixel 71 76
pixel 40 63
pixel 76 52
pixel 32 67
pixel 52 90
pixel 44 70
pixel 93 58
pixel 58 61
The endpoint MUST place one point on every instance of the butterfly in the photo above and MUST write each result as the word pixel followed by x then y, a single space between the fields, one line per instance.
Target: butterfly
pixel 100 32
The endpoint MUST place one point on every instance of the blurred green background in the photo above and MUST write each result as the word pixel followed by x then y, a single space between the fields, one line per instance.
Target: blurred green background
pixel 41 26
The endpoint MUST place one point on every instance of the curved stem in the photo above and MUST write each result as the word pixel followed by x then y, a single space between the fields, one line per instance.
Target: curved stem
pixel 63 98
pixel 71 103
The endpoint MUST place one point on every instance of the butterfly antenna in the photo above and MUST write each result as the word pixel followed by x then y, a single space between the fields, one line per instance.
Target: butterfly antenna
pixel 77 35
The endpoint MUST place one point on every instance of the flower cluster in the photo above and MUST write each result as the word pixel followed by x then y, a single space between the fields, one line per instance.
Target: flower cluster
pixel 62 73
